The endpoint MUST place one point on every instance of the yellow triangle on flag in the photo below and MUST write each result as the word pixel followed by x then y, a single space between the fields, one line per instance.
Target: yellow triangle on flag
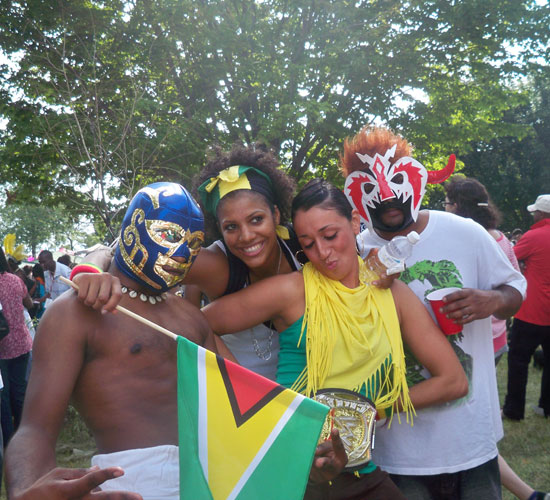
pixel 234 444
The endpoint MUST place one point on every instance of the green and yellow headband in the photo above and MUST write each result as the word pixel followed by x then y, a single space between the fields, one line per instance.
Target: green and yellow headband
pixel 231 179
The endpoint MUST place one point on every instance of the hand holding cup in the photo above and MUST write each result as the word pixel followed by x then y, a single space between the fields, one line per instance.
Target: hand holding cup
pixel 447 325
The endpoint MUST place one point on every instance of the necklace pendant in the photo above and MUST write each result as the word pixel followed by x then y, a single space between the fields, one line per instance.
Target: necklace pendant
pixel 132 294
pixel 263 353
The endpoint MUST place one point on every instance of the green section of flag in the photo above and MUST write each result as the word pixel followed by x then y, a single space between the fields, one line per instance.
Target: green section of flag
pixel 193 485
pixel 286 457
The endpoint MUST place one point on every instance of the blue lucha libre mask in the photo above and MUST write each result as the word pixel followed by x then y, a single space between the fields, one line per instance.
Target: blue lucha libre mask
pixel 163 221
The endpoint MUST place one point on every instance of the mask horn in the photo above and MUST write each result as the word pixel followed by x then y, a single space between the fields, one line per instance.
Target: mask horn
pixel 438 176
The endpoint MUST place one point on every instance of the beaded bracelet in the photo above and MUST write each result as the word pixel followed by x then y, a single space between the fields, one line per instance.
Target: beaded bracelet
pixel 84 268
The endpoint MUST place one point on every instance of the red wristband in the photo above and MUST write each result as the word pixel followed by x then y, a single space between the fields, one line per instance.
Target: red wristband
pixel 84 268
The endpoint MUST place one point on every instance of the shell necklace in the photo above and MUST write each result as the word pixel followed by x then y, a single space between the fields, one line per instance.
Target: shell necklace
pixel 152 299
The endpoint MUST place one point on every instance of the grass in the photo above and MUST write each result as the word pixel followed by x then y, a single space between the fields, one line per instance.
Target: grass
pixel 525 446
pixel 75 446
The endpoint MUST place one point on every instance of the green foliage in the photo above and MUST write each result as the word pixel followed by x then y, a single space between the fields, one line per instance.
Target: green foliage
pixel 516 169
pixel 37 228
pixel 110 95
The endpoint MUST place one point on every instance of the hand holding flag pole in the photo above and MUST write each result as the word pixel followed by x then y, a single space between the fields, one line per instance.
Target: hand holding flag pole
pixel 123 310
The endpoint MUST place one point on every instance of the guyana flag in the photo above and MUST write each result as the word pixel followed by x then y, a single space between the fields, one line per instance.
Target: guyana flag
pixel 241 435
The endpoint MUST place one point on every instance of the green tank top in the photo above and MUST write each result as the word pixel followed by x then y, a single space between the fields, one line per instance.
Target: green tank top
pixel 292 360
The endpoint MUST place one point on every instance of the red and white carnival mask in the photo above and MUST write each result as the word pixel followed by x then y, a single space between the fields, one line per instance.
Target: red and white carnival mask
pixel 403 183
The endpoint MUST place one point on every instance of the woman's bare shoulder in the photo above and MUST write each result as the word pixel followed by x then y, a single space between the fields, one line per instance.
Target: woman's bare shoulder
pixel 210 271
pixel 399 290
pixel 404 298
pixel 291 282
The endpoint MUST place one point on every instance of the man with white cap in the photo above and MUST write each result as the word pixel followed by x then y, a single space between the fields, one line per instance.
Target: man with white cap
pixel 531 326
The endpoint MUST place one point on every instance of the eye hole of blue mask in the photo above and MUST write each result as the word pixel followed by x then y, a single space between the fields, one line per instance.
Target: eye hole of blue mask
pixel 169 235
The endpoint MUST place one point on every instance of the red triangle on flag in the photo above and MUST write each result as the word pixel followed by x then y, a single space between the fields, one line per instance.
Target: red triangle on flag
pixel 248 392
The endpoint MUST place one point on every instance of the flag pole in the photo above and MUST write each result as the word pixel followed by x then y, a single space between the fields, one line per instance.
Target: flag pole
pixel 123 310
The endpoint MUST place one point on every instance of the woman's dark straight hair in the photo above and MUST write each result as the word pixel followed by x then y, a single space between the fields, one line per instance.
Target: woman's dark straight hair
pixel 319 192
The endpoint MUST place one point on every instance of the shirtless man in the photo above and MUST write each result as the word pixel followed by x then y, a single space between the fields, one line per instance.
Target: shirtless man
pixel 119 374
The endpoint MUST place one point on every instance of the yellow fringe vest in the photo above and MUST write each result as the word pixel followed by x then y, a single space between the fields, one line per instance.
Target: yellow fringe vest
pixel 353 339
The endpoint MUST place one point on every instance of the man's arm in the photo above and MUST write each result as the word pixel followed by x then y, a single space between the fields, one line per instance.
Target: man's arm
pixel 470 304
pixel 58 354
pixel 193 294
pixel 499 288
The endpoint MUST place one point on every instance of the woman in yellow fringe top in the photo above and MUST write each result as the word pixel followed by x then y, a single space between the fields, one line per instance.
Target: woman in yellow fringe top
pixel 337 331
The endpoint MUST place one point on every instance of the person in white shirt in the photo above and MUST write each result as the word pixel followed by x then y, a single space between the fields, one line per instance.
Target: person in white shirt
pixel 451 451
pixel 52 271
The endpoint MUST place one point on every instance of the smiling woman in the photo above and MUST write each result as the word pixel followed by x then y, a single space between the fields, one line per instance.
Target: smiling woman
pixel 245 196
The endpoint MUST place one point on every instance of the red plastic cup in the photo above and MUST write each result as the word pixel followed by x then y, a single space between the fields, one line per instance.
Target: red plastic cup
pixel 447 325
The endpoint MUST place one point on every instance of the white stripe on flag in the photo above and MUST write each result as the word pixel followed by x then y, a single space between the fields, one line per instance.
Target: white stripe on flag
pixel 202 416
pixel 265 447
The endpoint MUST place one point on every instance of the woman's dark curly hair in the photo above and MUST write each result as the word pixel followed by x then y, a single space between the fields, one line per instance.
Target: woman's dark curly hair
pixel 256 156
pixel 468 194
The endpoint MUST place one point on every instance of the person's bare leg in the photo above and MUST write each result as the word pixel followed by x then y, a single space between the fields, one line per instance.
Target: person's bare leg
pixel 512 482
